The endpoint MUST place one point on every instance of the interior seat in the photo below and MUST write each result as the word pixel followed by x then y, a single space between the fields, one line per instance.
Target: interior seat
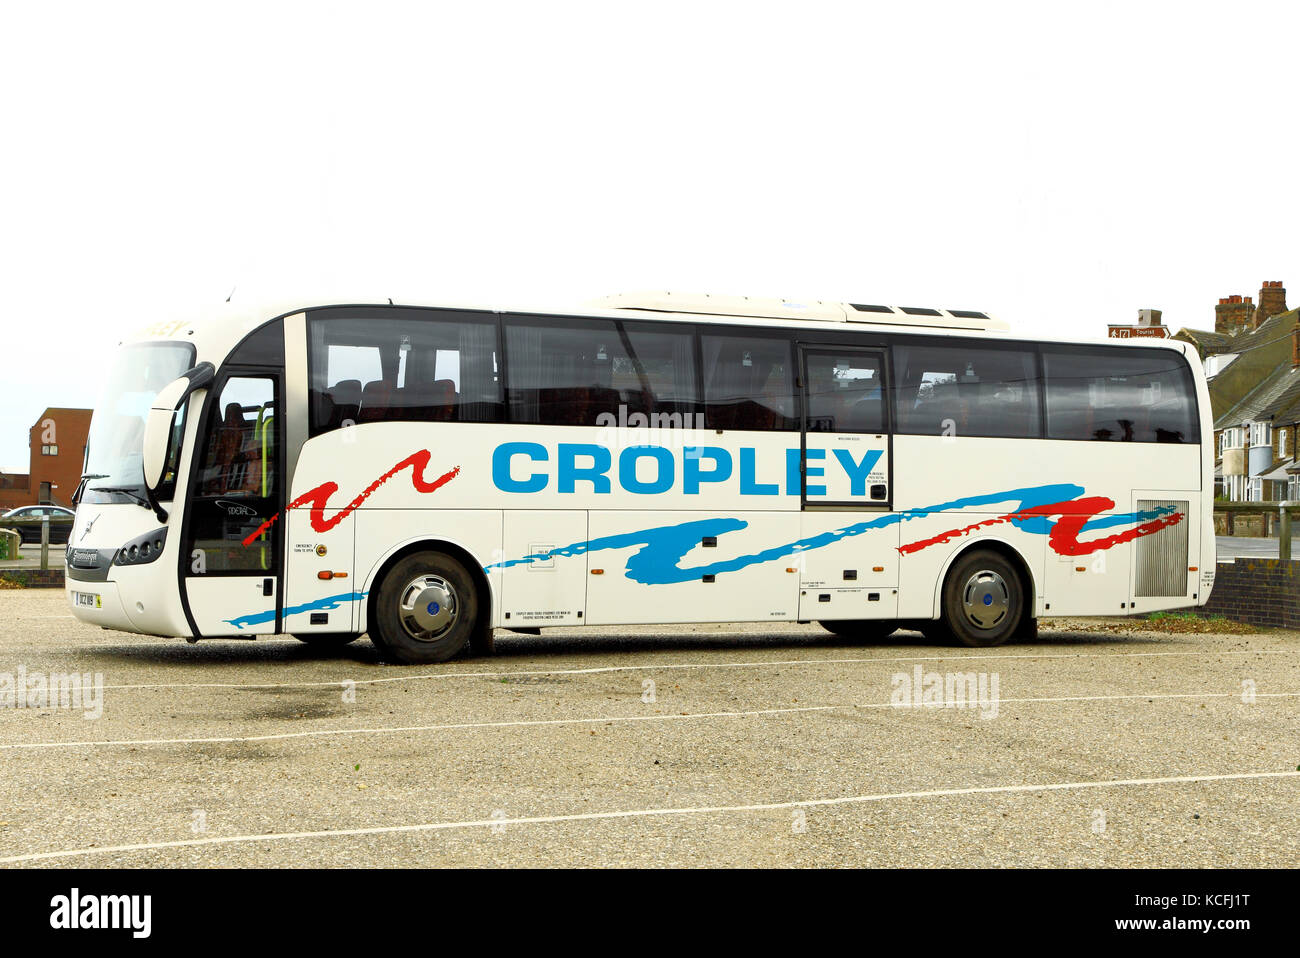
pixel 346 396
pixel 376 402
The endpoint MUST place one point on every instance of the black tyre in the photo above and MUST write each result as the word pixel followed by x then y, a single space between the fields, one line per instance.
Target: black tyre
pixel 860 630
pixel 983 599
pixel 327 640
pixel 426 610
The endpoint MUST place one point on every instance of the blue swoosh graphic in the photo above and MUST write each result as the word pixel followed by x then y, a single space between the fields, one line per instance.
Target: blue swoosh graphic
pixel 658 561
pixel 327 604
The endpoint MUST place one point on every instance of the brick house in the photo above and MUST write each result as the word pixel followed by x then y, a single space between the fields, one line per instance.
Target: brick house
pixel 1252 364
pixel 57 450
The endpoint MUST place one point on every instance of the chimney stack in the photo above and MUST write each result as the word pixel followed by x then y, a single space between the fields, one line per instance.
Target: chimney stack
pixel 1234 313
pixel 1295 346
pixel 1272 300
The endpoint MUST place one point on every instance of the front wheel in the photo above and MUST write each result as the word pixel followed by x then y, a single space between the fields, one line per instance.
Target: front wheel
pixel 983 599
pixel 426 609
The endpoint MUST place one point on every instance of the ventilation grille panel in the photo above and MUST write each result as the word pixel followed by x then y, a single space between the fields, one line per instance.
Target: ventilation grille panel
pixel 1162 556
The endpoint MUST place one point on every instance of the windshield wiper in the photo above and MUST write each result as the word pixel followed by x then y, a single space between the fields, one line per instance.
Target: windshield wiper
pixel 123 490
pixel 81 484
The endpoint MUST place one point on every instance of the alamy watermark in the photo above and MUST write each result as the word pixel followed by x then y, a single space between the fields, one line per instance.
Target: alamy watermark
pixel 75 910
pixel 952 690
pixel 622 429
pixel 56 690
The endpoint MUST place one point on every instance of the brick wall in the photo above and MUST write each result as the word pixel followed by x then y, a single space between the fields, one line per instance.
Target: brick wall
pixel 1263 592
pixel 68 428
pixel 1251 524
pixel 35 578
pixel 15 491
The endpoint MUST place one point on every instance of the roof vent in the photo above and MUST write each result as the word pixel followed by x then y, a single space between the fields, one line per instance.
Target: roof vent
pixel 708 304
pixel 811 309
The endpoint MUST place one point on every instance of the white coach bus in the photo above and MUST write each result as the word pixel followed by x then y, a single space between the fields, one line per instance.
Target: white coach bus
pixel 425 475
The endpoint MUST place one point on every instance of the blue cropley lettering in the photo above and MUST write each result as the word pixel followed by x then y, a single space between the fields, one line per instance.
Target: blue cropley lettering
pixel 793 460
pixel 501 457
pixel 327 604
pixel 658 561
pixel 858 471
pixel 569 473
pixel 748 484
pixel 692 476
pixel 810 470
pixel 663 481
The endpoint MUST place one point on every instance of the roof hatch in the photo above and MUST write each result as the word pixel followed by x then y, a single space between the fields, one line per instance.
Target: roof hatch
pixel 808 309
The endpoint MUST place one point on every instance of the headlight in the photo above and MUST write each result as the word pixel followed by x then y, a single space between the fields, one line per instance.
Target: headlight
pixel 142 549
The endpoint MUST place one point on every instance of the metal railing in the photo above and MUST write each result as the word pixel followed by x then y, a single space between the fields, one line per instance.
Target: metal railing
pixel 1285 512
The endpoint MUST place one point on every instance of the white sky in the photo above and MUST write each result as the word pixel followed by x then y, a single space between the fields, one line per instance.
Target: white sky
pixel 1059 166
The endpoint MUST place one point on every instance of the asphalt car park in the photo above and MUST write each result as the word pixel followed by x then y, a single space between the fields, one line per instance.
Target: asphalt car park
pixel 722 745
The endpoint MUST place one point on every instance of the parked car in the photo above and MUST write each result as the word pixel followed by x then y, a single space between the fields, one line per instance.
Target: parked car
pixel 60 522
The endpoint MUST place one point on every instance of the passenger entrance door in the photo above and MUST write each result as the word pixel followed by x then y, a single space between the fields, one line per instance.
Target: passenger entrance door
pixel 850 570
pixel 845 440
pixel 232 561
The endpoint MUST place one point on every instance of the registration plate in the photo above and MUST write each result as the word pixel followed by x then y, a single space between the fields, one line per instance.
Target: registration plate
pixel 89 600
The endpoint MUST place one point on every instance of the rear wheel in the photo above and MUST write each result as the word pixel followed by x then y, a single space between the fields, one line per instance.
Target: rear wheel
pixel 860 630
pixel 983 599
pixel 426 609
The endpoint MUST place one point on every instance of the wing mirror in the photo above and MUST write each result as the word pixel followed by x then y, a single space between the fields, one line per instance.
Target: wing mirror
pixel 158 427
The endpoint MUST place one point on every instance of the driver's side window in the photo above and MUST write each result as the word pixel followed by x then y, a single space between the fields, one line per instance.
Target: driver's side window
pixel 235 487
pixel 239 458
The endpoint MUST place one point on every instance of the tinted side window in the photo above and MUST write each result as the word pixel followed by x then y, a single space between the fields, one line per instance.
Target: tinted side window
pixel 664 363
pixel 966 389
pixel 404 365
pixel 567 372
pixel 748 381
pixel 844 391
pixel 263 347
pixel 1119 395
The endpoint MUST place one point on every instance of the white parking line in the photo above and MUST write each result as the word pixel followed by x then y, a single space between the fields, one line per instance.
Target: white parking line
pixel 388 730
pixel 665 666
pixel 613 719
pixel 645 813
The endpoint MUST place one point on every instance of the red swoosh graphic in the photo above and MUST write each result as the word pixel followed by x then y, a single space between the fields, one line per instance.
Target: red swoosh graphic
pixel 319 497
pixel 920 544
pixel 1064 537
